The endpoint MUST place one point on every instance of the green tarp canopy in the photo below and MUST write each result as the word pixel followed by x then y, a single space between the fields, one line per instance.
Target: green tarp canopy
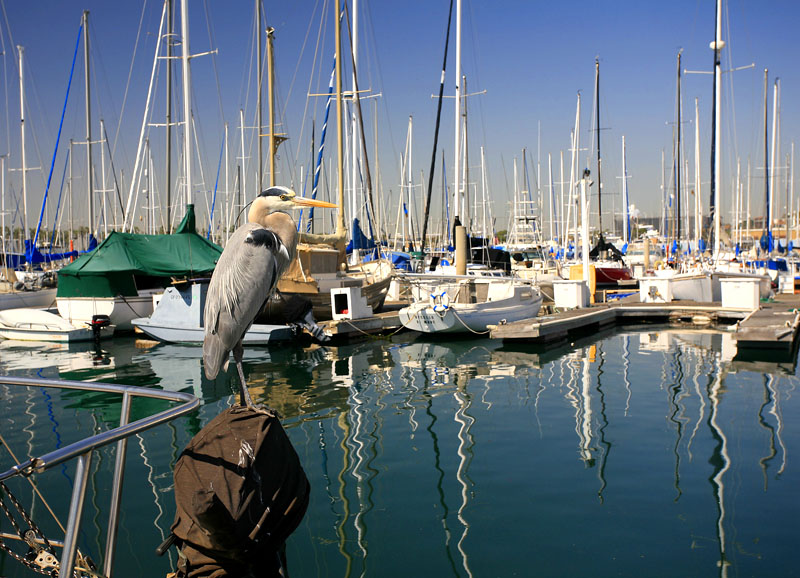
pixel 109 270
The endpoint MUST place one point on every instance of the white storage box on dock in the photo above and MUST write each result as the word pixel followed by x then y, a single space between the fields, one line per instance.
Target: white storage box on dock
pixel 740 293
pixel 655 290
pixel 348 303
pixel 570 293
pixel 786 283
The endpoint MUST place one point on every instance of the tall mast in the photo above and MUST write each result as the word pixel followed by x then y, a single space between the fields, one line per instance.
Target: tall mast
pixel 457 149
pixel 698 218
pixel 775 152
pixel 679 161
pixel 716 128
pixel 625 231
pixel 597 130
pixel 259 113
pixel 88 121
pixel 187 101
pixel 767 192
pixel 21 51
pixel 169 118
pixel 340 230
pixel 354 126
pixel 271 93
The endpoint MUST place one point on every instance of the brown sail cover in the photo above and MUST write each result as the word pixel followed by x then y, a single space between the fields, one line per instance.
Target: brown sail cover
pixel 240 492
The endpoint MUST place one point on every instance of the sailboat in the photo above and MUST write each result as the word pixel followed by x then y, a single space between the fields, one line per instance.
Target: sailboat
pixel 321 262
pixel 609 266
pixel 20 285
pixel 121 277
pixel 702 282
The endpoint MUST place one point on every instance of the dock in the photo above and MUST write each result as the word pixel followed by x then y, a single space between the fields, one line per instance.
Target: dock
pixel 773 326
pixel 387 321
pixel 562 325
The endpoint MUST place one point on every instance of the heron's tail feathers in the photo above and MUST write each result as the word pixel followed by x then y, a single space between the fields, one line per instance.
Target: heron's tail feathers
pixel 214 355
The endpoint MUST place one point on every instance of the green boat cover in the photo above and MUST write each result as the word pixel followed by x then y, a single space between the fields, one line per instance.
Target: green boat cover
pixel 125 261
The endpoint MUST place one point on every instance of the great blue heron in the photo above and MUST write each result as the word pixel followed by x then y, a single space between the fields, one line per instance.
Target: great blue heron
pixel 254 259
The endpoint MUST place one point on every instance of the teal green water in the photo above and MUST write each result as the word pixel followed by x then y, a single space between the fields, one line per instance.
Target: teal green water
pixel 635 453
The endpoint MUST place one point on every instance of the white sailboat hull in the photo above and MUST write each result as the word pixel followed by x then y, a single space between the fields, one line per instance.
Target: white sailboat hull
pixel 506 302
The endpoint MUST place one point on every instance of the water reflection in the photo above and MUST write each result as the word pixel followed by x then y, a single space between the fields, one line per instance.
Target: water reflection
pixel 476 457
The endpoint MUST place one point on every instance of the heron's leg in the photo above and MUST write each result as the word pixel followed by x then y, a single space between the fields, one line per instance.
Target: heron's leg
pixel 244 394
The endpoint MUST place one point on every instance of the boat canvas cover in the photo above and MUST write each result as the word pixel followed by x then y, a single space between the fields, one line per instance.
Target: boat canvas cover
pixel 109 270
pixel 240 491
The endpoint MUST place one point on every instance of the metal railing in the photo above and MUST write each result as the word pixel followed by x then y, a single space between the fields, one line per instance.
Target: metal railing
pixel 83 450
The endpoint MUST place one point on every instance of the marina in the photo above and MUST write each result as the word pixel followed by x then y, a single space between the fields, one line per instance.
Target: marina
pixel 245 331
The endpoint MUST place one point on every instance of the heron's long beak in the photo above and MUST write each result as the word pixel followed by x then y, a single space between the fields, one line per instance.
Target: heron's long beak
pixel 306 202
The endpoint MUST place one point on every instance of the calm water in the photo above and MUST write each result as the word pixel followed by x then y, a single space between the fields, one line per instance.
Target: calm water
pixel 635 453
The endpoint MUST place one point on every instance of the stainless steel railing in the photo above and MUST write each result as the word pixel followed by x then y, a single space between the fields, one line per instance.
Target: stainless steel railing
pixel 83 450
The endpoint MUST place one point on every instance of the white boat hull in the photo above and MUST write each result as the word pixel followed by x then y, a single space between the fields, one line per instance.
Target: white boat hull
pixel 36 299
pixel 522 302
pixel 39 325
pixel 120 310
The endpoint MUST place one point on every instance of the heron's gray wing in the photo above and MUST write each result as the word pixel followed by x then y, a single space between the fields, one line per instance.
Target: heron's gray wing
pixel 243 279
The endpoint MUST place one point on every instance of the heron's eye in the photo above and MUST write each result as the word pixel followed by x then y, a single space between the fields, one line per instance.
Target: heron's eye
pixel 284 197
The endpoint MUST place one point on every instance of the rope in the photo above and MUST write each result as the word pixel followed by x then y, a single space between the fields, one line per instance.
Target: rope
pixel 467 326
pixel 35 488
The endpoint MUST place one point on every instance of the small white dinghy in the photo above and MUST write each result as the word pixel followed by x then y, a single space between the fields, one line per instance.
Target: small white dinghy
pixel 470 306
pixel 40 325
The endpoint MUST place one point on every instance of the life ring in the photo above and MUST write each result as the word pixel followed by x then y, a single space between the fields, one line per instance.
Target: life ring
pixel 440 301
pixel 659 264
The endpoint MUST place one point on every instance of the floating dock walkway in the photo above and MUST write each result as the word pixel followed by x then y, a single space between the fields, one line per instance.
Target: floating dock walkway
pixel 557 327
pixel 773 326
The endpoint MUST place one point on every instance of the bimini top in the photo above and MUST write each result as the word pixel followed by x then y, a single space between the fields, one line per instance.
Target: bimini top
pixel 109 270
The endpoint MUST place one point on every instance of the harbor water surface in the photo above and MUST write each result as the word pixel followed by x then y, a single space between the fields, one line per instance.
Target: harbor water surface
pixel 637 452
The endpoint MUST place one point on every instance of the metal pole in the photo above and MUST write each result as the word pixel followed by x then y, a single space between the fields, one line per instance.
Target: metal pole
pixel 457 149
pixel 259 111
pixel 271 91
pixel 169 117
pixel 75 511
pixel 21 51
pixel 88 121
pixel 187 101
pixel 116 490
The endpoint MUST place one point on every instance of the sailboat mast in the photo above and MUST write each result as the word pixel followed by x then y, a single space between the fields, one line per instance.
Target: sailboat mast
pixel 187 101
pixel 259 106
pixel 679 161
pixel 340 230
pixel 168 187
pixel 88 120
pixel 625 216
pixel 775 153
pixel 354 126
pixel 271 104
pixel 457 149
pixel 21 52
pixel 716 128
pixel 768 206
pixel 597 130
pixel 698 220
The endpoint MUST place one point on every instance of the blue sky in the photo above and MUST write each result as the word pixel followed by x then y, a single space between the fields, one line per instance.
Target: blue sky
pixel 531 58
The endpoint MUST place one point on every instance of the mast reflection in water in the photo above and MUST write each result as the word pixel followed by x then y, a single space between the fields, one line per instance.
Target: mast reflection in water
pixel 636 453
